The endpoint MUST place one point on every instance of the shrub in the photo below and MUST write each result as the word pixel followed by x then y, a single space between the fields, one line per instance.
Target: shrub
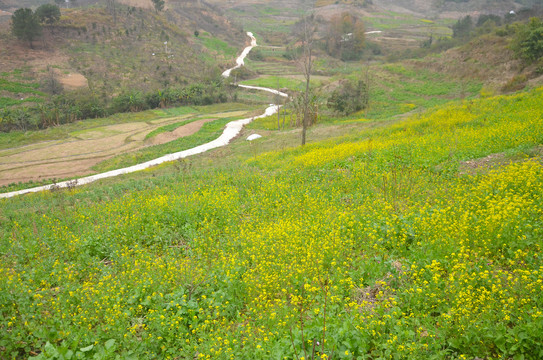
pixel 256 55
pixel 486 17
pixel 242 73
pixel 79 105
pixel 48 14
pixel 350 97
pixel 516 83
pixel 462 28
pixel 528 43
pixel 130 101
pixel 293 53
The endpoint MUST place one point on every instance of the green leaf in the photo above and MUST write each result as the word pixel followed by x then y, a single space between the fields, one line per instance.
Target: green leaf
pixel 500 343
pixel 50 350
pixel 109 344
pixel 88 348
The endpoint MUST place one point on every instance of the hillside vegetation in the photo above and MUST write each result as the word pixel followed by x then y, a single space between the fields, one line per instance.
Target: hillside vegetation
pixel 114 52
pixel 452 8
pixel 409 230
pixel 417 240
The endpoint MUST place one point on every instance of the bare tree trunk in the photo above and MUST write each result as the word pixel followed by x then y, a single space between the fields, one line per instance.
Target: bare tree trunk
pixel 284 114
pixel 291 120
pixel 308 63
pixel 278 100
pixel 111 8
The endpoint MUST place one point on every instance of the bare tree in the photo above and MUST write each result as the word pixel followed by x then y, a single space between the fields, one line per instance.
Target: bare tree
pixel 309 29
pixel 278 103
pixel 51 83
pixel 112 9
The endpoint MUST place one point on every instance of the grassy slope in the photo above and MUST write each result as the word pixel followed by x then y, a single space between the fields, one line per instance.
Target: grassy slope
pixel 453 8
pixel 16 88
pixel 119 56
pixel 128 61
pixel 380 234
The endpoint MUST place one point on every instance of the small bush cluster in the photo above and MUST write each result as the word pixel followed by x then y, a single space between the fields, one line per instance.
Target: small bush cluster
pixel 67 108
pixel 528 42
pixel 350 97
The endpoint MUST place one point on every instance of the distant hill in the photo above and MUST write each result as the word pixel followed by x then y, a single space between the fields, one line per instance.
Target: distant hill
pixel 135 48
pixel 15 4
pixel 454 8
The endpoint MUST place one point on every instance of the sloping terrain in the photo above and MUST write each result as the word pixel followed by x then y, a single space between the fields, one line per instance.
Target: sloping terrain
pixel 372 244
pixel 11 5
pixel 122 50
pixel 451 8
pixel 409 231
pixel 272 20
pixel 488 59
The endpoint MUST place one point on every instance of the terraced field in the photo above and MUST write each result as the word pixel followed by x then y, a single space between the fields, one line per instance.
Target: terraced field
pixel 77 149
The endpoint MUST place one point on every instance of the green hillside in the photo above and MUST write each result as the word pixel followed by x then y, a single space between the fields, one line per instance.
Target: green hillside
pixel 417 240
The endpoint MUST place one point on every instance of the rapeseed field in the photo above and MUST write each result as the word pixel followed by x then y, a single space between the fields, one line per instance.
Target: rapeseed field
pixel 405 242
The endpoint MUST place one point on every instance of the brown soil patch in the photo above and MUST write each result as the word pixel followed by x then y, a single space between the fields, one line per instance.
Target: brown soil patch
pixel 180 132
pixel 477 165
pixel 482 165
pixel 55 170
pixel 73 81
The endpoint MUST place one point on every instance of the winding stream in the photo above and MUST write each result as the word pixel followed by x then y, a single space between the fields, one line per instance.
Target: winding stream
pixel 231 130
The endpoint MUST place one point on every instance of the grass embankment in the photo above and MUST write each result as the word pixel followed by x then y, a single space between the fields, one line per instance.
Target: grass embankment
pixel 377 244
pixel 20 89
pixel 217 48
pixel 397 88
pixel 275 82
